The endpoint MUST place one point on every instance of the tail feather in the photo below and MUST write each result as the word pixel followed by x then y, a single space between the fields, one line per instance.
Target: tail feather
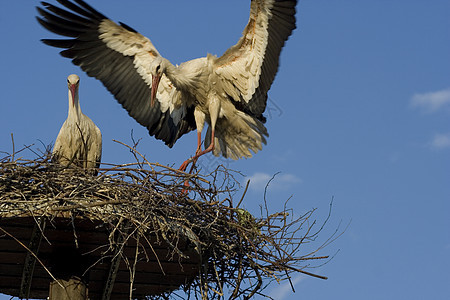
pixel 237 137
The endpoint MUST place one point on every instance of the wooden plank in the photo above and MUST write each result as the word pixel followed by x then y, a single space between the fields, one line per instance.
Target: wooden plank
pixel 10 286
pixel 93 241
pixel 30 259
pixel 97 274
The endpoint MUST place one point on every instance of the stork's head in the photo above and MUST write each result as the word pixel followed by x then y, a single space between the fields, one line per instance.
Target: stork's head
pixel 157 68
pixel 72 82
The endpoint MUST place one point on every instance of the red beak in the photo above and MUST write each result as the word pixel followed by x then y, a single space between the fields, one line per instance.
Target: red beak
pixel 155 84
pixel 73 91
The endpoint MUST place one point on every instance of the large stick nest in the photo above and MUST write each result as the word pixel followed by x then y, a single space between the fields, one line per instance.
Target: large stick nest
pixel 241 254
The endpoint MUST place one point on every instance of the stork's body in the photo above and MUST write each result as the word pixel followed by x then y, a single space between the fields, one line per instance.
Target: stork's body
pixel 229 92
pixel 231 131
pixel 79 142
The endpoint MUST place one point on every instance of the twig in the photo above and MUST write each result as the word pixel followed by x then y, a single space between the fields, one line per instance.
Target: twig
pixel 239 252
pixel 243 194
pixel 13 146
pixel 34 255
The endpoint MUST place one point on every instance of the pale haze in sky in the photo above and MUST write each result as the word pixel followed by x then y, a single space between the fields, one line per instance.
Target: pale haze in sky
pixel 359 112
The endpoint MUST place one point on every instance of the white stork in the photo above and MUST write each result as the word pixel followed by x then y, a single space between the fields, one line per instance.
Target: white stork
pixel 79 141
pixel 228 92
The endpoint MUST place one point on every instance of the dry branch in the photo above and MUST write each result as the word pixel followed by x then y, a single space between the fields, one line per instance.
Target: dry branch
pixel 238 251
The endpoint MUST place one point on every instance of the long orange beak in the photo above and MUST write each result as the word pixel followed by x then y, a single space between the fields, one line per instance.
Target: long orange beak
pixel 155 84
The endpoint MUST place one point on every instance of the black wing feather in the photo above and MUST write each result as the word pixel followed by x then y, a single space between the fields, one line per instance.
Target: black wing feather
pixel 114 70
pixel 280 27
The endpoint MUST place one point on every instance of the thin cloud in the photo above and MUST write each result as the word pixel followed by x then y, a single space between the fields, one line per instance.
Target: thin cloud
pixel 432 101
pixel 441 141
pixel 284 290
pixel 259 180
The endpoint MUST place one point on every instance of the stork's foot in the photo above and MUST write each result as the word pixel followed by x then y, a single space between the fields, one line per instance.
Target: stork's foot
pixel 184 165
pixel 183 168
pixel 184 191
pixel 193 160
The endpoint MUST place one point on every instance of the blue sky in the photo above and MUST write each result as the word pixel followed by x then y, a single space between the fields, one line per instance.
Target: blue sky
pixel 359 111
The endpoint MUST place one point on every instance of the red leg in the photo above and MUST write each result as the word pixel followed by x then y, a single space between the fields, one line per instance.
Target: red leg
pixel 199 153
pixel 194 159
pixel 214 110
pixel 199 142
pixel 186 163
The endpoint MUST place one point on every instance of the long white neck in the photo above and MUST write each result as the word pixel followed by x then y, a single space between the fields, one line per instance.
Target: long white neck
pixel 74 107
pixel 182 78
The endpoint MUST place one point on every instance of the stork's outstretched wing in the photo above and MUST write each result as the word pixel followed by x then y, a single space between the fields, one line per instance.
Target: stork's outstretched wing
pixel 119 57
pixel 248 68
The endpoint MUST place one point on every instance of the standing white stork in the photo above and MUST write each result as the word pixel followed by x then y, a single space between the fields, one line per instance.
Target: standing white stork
pixel 79 141
pixel 228 92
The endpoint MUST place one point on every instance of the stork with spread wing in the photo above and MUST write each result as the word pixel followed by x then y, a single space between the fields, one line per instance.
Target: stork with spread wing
pixel 227 92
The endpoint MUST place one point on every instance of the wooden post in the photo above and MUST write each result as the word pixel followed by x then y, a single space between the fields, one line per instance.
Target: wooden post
pixel 74 289
pixel 67 265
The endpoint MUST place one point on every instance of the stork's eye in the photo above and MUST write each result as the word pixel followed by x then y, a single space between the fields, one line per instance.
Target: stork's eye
pixel 157 68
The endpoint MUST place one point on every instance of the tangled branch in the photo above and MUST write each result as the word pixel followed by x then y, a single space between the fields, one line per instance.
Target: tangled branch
pixel 240 253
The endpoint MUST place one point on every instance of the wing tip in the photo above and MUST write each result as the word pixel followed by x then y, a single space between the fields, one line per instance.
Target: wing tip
pixel 127 27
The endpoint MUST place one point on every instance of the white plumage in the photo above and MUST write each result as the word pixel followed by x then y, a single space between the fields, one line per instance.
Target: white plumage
pixel 79 142
pixel 229 92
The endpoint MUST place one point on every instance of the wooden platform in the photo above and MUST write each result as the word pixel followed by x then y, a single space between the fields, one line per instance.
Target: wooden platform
pixel 84 245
